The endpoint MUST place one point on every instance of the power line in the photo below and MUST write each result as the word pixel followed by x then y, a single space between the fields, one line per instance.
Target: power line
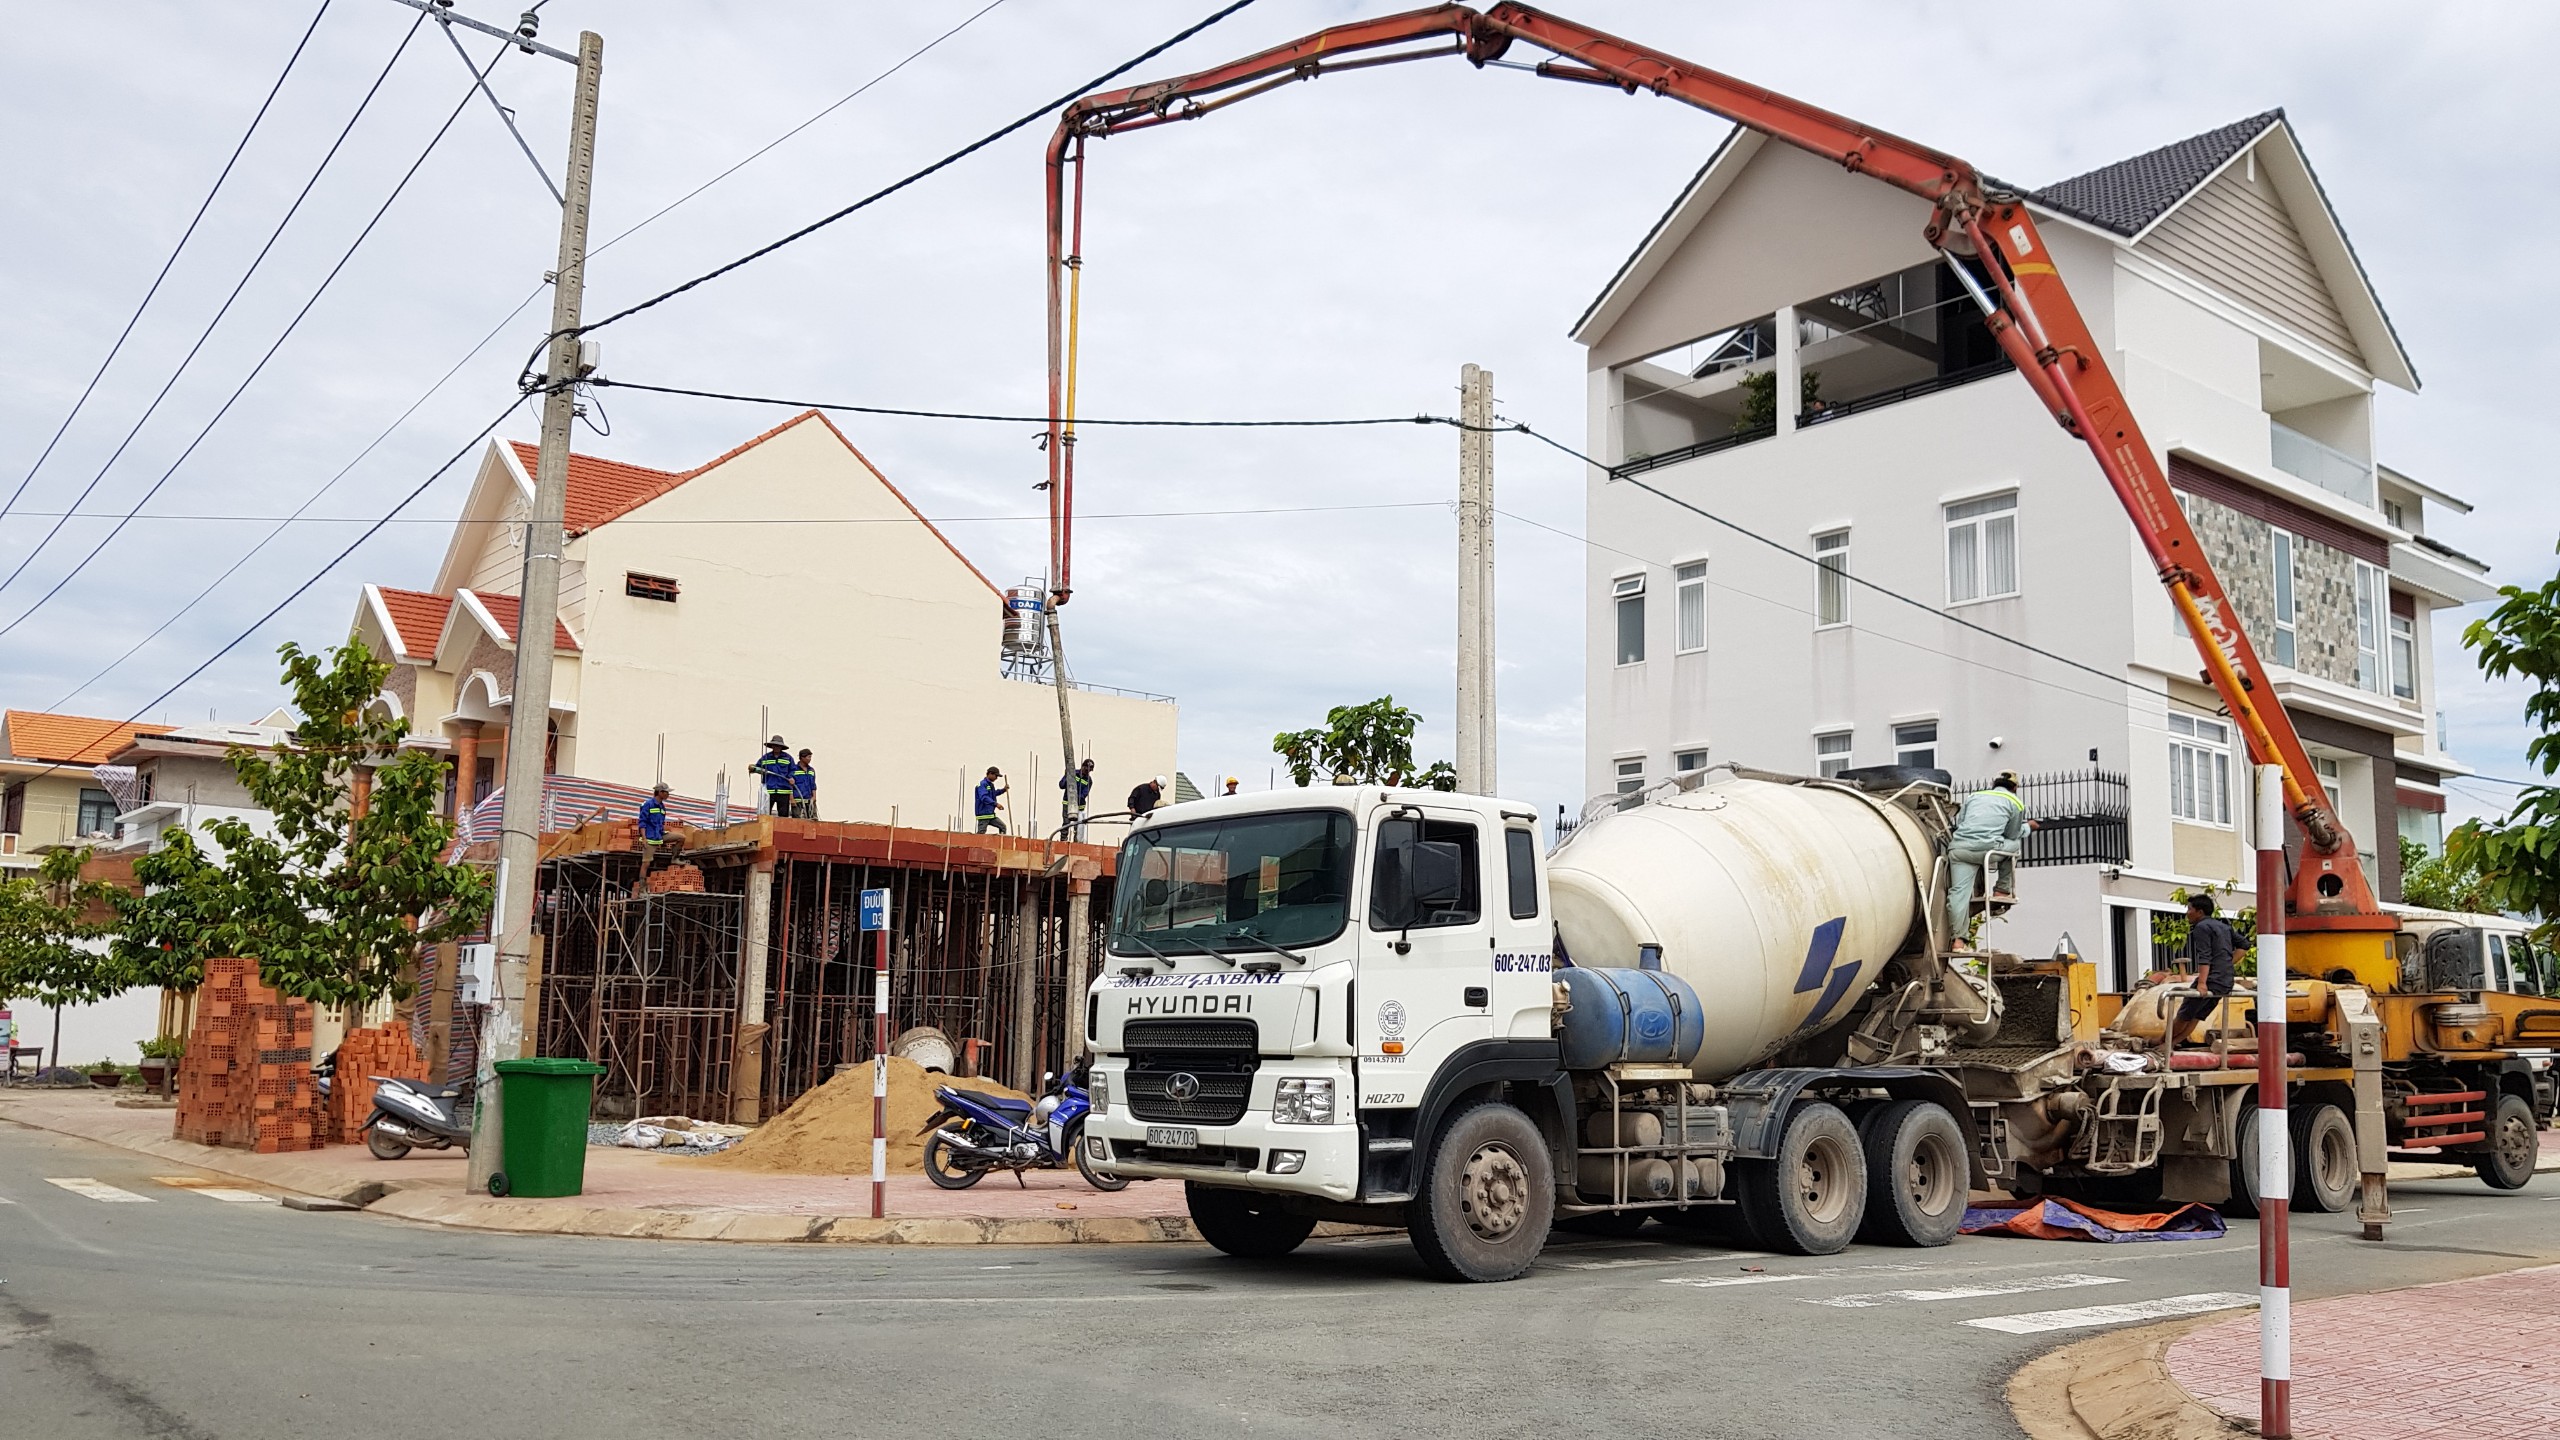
pixel 245 276
pixel 965 151
pixel 298 518
pixel 997 417
pixel 167 265
pixel 254 371
pixel 315 578
pixel 760 152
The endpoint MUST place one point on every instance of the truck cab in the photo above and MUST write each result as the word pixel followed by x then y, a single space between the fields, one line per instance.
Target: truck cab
pixel 1286 976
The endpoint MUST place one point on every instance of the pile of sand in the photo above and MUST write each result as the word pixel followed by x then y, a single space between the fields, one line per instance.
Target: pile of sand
pixel 827 1131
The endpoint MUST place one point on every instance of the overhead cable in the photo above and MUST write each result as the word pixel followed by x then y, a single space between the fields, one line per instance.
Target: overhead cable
pixel 245 276
pixel 841 407
pixel 254 371
pixel 883 193
pixel 168 264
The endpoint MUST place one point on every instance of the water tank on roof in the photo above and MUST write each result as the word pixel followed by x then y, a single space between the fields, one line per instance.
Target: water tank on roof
pixel 1023 605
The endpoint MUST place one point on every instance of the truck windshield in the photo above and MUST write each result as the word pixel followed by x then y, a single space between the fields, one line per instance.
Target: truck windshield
pixel 1281 878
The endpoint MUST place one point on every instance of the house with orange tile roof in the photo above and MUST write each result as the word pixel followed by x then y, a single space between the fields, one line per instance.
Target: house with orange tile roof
pixel 50 790
pixel 787 578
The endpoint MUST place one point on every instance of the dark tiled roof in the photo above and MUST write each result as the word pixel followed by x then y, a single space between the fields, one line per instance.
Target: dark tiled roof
pixel 2130 194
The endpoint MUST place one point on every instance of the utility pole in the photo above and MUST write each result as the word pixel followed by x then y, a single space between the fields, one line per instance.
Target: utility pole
pixel 538 601
pixel 1475 582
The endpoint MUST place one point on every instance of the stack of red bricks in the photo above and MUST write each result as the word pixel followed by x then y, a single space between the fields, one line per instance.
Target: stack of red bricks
pixel 678 876
pixel 245 1080
pixel 383 1050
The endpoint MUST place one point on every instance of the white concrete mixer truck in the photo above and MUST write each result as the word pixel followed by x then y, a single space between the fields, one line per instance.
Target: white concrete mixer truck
pixel 1731 1002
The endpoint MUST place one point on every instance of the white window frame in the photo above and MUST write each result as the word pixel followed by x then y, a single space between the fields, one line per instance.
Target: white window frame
pixel 2199 770
pixel 1831 579
pixel 1681 758
pixel 2327 768
pixel 1987 526
pixel 2287 575
pixel 2372 604
pixel 1689 603
pixel 2404 656
pixel 1928 747
pixel 1628 781
pixel 1827 762
pixel 1625 592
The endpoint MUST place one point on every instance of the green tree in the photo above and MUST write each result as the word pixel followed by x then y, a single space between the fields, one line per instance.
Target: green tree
pixel 2517 859
pixel 2438 882
pixel 1369 744
pixel 51 950
pixel 1760 399
pixel 166 933
pixel 332 904
pixel 2169 930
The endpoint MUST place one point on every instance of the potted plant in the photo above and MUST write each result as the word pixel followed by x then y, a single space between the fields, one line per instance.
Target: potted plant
pixel 105 1075
pixel 160 1061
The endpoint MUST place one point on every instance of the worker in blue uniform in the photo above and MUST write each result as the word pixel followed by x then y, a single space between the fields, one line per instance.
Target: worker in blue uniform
pixel 991 792
pixel 775 767
pixel 653 828
pixel 804 787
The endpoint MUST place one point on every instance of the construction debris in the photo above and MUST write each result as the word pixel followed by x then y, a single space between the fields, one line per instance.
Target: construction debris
pixel 827 1131
pixel 676 1132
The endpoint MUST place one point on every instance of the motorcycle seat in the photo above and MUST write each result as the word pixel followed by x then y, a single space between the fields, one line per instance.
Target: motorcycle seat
pixel 1002 1105
pixel 432 1092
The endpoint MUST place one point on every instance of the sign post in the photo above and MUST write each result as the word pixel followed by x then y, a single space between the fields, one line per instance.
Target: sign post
pixel 2275 1133
pixel 875 918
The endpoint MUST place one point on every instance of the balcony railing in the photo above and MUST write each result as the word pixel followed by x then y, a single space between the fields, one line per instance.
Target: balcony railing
pixel 2081 817
pixel 1641 463
pixel 2333 470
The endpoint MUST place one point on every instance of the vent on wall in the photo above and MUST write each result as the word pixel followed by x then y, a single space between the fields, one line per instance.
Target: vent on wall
pixel 649 587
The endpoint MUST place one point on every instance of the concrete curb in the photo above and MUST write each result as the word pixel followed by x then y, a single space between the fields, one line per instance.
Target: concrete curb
pixel 560 1217
pixel 2116 1387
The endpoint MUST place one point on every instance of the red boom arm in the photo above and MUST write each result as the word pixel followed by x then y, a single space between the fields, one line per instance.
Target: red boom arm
pixel 2027 309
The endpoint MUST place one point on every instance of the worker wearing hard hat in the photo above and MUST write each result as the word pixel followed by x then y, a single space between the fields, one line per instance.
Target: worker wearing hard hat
pixel 1144 799
pixel 1990 822
pixel 1231 785
pixel 990 798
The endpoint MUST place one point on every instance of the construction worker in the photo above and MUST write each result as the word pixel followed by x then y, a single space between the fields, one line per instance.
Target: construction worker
pixel 1146 798
pixel 653 827
pixel 775 766
pixel 1990 822
pixel 2210 943
pixel 1231 785
pixel 1075 789
pixel 990 791
pixel 804 788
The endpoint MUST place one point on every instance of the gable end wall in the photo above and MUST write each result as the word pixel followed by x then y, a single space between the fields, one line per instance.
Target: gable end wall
pixel 2236 235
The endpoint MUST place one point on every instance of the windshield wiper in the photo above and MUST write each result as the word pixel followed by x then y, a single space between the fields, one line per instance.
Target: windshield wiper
pixel 1150 949
pixel 1260 943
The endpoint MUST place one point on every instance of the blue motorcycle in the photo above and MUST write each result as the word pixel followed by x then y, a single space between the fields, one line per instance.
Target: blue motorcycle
pixel 978 1133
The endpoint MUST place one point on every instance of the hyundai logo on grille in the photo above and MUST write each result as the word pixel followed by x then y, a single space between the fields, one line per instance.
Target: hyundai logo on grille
pixel 1182 1086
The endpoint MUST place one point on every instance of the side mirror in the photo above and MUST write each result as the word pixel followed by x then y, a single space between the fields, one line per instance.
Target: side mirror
pixel 1048 1081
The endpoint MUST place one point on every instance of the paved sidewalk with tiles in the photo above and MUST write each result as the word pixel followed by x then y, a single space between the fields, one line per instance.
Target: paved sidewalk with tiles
pixel 2462 1359
pixel 637 1193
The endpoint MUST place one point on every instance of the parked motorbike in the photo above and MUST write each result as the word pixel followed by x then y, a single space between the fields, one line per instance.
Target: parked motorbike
pixel 413 1115
pixel 977 1134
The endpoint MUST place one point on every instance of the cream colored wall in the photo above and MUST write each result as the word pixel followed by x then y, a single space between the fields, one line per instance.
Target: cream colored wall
pixel 873 644
pixel 52 814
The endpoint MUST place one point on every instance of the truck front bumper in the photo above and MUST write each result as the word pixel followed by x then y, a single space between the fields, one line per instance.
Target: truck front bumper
pixel 1240 1155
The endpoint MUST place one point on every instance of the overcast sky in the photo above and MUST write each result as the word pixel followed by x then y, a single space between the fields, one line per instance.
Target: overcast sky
pixel 1333 249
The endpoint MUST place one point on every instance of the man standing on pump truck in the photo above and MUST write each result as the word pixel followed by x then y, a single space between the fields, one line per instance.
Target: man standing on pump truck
pixel 2210 943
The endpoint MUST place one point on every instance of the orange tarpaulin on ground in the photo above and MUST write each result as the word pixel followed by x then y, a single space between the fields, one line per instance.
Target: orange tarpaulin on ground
pixel 2051 1219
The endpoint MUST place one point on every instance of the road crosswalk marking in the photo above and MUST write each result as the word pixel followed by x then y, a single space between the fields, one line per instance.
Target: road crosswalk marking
pixel 236 1197
pixel 2021 1286
pixel 2039 1321
pixel 97 1190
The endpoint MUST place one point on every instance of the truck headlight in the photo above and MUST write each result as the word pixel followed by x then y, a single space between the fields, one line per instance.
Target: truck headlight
pixel 1097 1092
pixel 1303 1102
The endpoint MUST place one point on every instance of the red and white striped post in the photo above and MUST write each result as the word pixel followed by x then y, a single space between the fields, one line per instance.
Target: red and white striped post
pixel 875 918
pixel 2275 1131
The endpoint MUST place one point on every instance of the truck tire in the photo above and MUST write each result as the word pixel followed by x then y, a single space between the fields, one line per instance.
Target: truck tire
pixel 1918 1178
pixel 2244 1165
pixel 1245 1224
pixel 2325 1174
pixel 1811 1198
pixel 2506 1163
pixel 1487 1196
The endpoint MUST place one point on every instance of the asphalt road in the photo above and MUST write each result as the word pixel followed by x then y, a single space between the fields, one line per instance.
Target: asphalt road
pixel 195 1314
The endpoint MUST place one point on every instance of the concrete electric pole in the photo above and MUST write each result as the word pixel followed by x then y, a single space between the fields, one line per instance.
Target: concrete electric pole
pixel 1475 583
pixel 502 1032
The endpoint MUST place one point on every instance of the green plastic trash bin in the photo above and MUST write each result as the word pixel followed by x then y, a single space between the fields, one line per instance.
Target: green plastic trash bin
pixel 546 1103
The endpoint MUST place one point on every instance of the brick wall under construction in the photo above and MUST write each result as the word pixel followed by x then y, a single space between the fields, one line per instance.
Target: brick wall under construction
pixel 651 979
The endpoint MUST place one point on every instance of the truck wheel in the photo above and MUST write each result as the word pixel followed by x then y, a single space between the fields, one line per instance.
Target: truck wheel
pixel 1245 1224
pixel 2324 1159
pixel 1811 1198
pixel 1487 1197
pixel 2507 1163
pixel 2244 1165
pixel 1917 1176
